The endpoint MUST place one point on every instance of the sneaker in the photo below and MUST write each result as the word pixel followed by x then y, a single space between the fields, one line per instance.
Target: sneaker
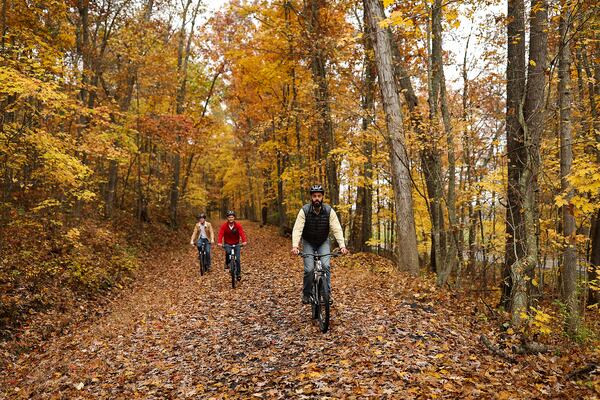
pixel 305 299
pixel 239 278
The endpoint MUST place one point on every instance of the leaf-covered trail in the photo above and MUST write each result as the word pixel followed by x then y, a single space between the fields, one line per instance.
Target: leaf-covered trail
pixel 176 334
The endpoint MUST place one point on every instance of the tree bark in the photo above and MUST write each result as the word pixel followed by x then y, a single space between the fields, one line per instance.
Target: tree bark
pixel 515 85
pixel 322 99
pixel 569 264
pixel 533 113
pixel 449 242
pixel 363 219
pixel 408 259
pixel 523 180
pixel 593 294
pixel 182 57
pixel 593 78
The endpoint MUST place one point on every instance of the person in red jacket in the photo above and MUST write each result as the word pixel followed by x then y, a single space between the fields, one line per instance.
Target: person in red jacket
pixel 230 234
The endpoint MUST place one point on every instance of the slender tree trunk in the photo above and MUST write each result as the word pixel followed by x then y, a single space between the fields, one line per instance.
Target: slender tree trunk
pixel 408 259
pixel 182 57
pixel 468 181
pixel 430 157
pixel 322 98
pixel 533 113
pixel 190 161
pixel 593 78
pixel 449 243
pixel 594 295
pixel 362 225
pixel 3 26
pixel 530 120
pixel 515 85
pixel 280 205
pixel 569 264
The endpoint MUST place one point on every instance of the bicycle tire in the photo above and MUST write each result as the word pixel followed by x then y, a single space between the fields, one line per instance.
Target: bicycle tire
pixel 324 307
pixel 200 259
pixel 205 261
pixel 232 271
pixel 314 303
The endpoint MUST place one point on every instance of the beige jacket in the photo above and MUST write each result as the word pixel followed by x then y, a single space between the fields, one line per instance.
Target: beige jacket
pixel 334 227
pixel 210 234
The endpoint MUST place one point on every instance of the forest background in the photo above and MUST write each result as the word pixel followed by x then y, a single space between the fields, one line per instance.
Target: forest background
pixel 459 139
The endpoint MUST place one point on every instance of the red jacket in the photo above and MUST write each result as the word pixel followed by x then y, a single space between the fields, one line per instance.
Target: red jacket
pixel 232 236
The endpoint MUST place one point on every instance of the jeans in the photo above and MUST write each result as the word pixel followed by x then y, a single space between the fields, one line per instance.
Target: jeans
pixel 309 266
pixel 207 247
pixel 237 248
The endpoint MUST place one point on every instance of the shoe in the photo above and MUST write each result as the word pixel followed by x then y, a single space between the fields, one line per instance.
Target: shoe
pixel 239 278
pixel 330 300
pixel 305 299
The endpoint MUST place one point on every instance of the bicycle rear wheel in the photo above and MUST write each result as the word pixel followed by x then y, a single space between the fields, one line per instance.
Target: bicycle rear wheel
pixel 323 306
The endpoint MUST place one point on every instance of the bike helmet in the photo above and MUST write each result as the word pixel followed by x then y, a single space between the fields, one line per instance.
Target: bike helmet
pixel 230 212
pixel 317 189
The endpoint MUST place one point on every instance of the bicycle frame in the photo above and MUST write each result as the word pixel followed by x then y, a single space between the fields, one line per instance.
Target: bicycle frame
pixel 232 261
pixel 202 257
pixel 317 301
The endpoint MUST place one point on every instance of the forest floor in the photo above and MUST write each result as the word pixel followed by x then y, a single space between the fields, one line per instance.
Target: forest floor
pixel 174 334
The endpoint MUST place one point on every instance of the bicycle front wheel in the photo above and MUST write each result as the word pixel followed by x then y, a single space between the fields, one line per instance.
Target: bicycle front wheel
pixel 205 262
pixel 324 307
pixel 233 274
pixel 201 261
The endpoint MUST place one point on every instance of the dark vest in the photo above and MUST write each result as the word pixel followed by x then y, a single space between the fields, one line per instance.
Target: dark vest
pixel 316 226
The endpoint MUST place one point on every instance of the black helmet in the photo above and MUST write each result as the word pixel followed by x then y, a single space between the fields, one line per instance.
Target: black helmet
pixel 317 189
pixel 230 212
pixel 201 215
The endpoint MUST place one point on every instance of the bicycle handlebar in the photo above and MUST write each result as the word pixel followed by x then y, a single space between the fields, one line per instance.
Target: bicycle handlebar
pixel 304 255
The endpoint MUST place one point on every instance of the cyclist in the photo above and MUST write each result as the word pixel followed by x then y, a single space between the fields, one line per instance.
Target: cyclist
pixel 203 233
pixel 314 222
pixel 230 234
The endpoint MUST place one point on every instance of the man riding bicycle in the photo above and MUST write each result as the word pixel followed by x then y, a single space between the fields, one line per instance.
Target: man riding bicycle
pixel 230 234
pixel 314 222
pixel 203 234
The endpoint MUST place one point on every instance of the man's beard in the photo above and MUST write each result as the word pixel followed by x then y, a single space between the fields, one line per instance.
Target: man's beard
pixel 317 204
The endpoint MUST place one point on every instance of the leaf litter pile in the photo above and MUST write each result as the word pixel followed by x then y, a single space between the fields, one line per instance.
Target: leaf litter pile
pixel 175 334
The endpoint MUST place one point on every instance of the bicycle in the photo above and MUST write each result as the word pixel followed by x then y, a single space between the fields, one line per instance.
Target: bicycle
pixel 320 303
pixel 232 263
pixel 203 258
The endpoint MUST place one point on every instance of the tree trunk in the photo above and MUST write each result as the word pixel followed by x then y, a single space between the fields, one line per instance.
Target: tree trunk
pixel 593 78
pixel 593 294
pixel 449 257
pixel 182 57
pixel 533 114
pixel 408 259
pixel 362 224
pixel 515 85
pixel 322 99
pixel 530 119
pixel 280 205
pixel 569 264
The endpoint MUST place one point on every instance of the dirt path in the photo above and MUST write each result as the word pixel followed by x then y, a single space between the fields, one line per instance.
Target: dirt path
pixel 180 335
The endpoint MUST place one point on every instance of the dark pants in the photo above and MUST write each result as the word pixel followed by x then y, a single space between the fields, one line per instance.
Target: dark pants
pixel 228 248
pixel 207 247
